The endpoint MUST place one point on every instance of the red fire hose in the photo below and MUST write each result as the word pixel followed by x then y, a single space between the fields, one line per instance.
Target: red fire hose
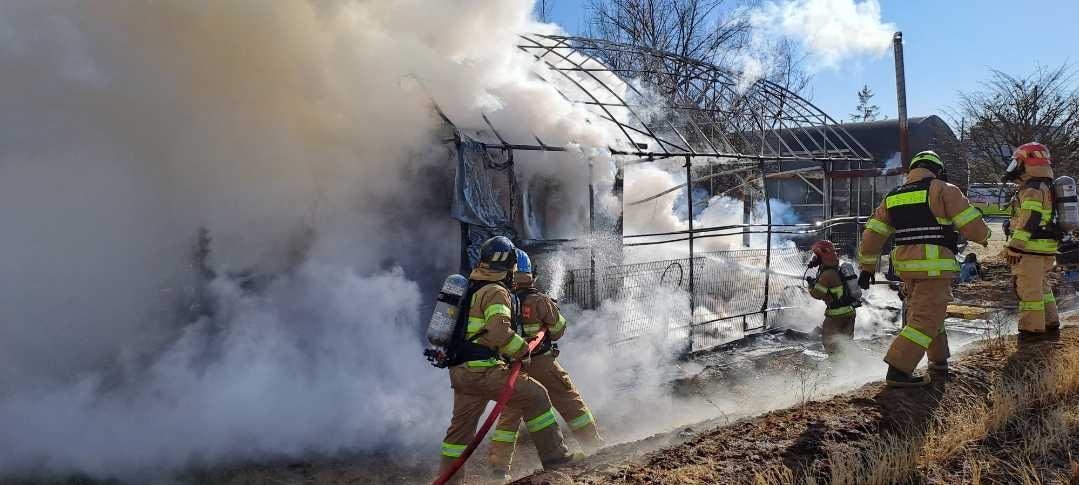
pixel 503 397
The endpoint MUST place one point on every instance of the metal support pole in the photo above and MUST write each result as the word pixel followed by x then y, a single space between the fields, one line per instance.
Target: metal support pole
pixel 592 238
pixel 689 205
pixel 857 214
pixel 747 215
pixel 768 245
pixel 901 98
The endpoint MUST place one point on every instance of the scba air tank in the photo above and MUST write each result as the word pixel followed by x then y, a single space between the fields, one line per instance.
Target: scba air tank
pixel 1067 203
pixel 444 318
pixel 850 283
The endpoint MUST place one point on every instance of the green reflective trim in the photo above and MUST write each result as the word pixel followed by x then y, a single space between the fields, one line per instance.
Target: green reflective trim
pixel 560 324
pixel 928 266
pixel 492 362
pixel 966 217
pixel 821 288
pixel 1048 246
pixel 1031 204
pixel 870 259
pixel 1021 235
pixel 1032 306
pixel 932 265
pixel 475 324
pixel 532 328
pixel 879 227
pixel 836 290
pixel 1049 298
pixel 838 312
pixel 504 436
pixel 944 221
pixel 513 346
pixel 451 450
pixel 932 253
pixel 914 335
pixel 582 420
pixel 497 309
pixel 907 198
pixel 541 422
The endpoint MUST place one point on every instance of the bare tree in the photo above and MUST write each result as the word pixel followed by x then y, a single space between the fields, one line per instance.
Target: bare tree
pixel 543 10
pixel 696 29
pixel 714 31
pixel 865 111
pixel 1009 111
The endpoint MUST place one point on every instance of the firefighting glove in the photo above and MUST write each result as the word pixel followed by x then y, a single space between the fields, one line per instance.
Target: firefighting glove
pixel 865 279
pixel 1013 257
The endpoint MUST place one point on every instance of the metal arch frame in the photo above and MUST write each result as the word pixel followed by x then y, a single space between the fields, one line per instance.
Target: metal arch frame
pixel 763 108
pixel 699 114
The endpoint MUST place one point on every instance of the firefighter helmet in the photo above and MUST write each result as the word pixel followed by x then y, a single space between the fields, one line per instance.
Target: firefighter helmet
pixel 524 263
pixel 498 253
pixel 928 160
pixel 1028 155
pixel 824 250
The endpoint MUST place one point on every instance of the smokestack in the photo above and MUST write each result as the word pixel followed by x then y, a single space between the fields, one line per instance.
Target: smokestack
pixel 901 98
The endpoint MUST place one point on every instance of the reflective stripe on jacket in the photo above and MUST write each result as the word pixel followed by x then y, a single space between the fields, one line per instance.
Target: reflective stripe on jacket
pixel 490 318
pixel 830 289
pixel 948 206
pixel 1032 215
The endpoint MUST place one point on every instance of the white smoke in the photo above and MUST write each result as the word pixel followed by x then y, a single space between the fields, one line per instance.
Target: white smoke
pixel 829 32
pixel 663 215
pixel 892 163
pixel 301 136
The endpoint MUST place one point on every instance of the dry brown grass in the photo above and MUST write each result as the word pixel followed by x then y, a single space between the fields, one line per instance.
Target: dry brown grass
pixel 1028 418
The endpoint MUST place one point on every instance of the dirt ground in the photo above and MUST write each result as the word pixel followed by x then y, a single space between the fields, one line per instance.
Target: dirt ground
pixel 803 437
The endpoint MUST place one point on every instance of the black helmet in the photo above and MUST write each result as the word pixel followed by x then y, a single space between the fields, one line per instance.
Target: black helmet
pixel 499 254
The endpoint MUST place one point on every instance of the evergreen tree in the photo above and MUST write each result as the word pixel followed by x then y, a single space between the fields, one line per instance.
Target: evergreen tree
pixel 865 111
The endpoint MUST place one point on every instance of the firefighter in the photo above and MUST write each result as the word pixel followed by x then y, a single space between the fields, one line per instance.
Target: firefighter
pixel 538 310
pixel 1032 248
pixel 478 373
pixel 828 286
pixel 926 215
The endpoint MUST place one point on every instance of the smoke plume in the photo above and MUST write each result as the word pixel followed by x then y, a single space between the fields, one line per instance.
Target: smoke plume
pixel 829 32
pixel 223 221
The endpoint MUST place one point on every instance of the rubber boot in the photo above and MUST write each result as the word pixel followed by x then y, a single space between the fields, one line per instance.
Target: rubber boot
pixel 898 378
pixel 568 459
pixel 941 366
pixel 1029 337
pixel 498 476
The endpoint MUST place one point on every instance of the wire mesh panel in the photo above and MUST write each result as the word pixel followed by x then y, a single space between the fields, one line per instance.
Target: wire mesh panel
pixel 733 292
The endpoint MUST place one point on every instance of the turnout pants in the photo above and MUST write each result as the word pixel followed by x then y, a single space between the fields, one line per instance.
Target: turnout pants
pixel 835 330
pixel 1037 305
pixel 545 369
pixel 474 387
pixel 923 332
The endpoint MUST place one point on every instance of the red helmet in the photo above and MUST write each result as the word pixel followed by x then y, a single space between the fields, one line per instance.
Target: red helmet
pixel 824 249
pixel 1033 154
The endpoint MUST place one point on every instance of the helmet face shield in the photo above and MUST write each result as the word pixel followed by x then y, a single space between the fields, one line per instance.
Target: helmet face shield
pixel 1014 169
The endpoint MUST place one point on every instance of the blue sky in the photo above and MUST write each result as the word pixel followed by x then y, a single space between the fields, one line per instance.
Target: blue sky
pixel 950 46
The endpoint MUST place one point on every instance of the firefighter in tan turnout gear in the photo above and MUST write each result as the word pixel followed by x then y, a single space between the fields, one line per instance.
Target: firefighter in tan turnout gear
pixel 829 286
pixel 539 310
pixel 478 371
pixel 1031 251
pixel 926 215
